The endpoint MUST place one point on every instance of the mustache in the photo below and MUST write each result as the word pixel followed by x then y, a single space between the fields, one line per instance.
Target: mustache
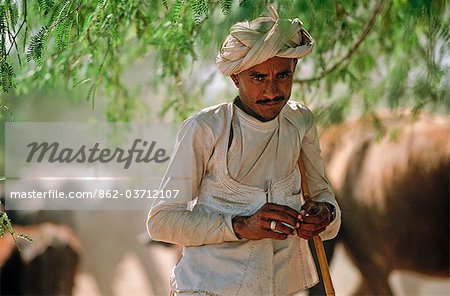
pixel 276 99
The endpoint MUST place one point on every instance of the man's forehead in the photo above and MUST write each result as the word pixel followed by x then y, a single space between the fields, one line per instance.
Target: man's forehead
pixel 274 64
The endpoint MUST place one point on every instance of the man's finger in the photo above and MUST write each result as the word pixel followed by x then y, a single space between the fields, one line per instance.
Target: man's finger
pixel 307 234
pixel 275 235
pixel 307 227
pixel 316 219
pixel 280 227
pixel 280 217
pixel 281 208
pixel 311 227
pixel 310 208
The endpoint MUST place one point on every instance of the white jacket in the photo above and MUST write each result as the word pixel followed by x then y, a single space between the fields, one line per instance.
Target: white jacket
pixel 215 261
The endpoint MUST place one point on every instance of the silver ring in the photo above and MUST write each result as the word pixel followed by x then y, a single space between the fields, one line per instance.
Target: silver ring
pixel 273 224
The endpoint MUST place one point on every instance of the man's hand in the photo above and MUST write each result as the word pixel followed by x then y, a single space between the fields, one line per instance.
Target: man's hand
pixel 314 218
pixel 257 226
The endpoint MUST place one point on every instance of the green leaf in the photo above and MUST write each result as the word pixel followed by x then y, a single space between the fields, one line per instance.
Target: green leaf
pixel 9 226
pixel 83 81
pixel 13 13
pixel 225 5
pixel 91 94
pixel 176 9
pixel 200 9
pixel 62 36
pixel 45 6
pixel 37 46
pixel 6 75
pixel 3 25
pixel 397 82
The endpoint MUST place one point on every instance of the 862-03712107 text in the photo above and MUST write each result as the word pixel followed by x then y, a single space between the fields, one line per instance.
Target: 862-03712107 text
pixel 97 193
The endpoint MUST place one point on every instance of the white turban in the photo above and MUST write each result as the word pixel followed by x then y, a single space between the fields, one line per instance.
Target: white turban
pixel 252 43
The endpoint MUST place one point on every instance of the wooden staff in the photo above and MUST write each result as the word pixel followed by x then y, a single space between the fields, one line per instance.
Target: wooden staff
pixel 321 256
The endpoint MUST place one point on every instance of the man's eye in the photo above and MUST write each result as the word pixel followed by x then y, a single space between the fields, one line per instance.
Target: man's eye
pixel 283 75
pixel 257 78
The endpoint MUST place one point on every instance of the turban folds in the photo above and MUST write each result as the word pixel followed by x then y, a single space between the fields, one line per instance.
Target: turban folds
pixel 252 43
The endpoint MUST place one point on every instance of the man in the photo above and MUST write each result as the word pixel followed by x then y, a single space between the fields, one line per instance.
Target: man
pixel 239 213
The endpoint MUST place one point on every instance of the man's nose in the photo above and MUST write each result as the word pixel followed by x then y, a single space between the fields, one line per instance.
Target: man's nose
pixel 271 90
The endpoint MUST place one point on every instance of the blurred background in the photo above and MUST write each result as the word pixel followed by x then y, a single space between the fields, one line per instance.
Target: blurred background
pixel 378 82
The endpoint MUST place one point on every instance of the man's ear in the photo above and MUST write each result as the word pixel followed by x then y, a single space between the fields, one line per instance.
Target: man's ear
pixel 235 80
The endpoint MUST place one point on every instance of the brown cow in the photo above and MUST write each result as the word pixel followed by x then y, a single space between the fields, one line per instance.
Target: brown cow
pixel 46 266
pixel 394 193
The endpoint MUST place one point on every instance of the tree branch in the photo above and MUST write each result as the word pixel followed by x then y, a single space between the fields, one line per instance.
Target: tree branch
pixel 60 20
pixel 13 42
pixel 377 10
pixel 13 39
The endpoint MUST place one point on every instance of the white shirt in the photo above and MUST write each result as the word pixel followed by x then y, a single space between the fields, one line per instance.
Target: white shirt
pixel 260 166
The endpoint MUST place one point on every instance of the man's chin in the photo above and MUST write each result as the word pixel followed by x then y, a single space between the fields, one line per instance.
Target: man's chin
pixel 269 112
pixel 267 116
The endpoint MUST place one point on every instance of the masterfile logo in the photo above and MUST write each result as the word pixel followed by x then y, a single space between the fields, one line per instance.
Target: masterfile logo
pixel 54 153
pixel 88 166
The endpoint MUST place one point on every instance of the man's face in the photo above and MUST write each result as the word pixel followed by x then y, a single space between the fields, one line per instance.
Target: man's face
pixel 264 89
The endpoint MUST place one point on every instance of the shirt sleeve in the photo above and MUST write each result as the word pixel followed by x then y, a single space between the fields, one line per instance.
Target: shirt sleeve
pixel 318 184
pixel 172 220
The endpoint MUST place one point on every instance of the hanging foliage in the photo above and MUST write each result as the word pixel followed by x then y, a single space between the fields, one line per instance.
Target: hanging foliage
pixel 388 52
